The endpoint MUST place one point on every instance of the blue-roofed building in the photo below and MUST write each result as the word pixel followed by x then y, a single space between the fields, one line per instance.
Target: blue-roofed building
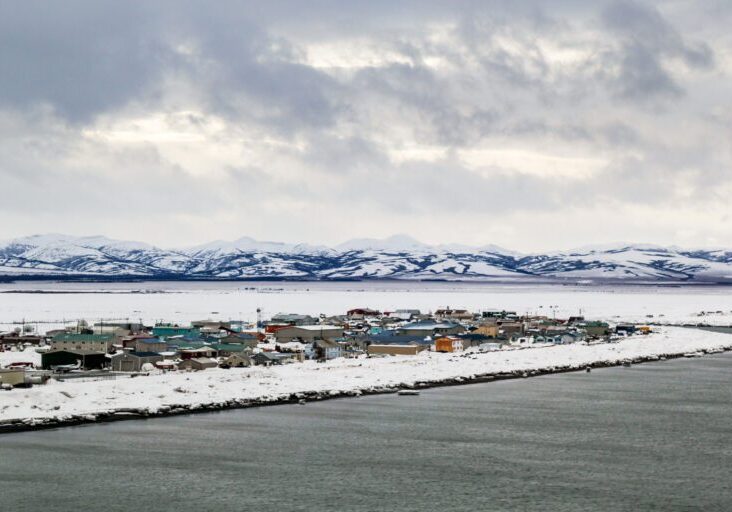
pixel 392 338
pixel 167 330
pixel 430 328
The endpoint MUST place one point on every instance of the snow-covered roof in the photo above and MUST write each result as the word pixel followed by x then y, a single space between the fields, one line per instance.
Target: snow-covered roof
pixel 320 327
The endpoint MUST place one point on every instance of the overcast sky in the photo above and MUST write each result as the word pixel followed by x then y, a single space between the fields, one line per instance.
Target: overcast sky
pixel 528 124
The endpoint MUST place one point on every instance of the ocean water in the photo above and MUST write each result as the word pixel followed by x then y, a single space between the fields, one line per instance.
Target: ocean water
pixel 650 437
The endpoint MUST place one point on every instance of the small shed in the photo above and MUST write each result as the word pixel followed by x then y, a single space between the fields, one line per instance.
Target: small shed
pixel 240 360
pixel 133 361
pixel 12 377
pixel 396 350
pixel 87 359
pixel 197 364
pixel 448 344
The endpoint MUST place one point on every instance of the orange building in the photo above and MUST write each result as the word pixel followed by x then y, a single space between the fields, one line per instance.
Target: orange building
pixel 447 344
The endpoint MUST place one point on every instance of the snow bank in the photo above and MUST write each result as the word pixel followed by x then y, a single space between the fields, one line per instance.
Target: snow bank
pixel 164 392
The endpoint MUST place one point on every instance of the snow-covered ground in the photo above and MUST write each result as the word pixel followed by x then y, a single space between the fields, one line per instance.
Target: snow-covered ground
pixel 186 301
pixel 29 355
pixel 58 399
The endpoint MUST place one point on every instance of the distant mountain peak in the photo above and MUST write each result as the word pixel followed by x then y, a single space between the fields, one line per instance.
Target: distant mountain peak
pixel 393 243
pixel 395 257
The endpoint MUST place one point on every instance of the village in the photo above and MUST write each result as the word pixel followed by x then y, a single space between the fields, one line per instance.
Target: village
pixel 110 349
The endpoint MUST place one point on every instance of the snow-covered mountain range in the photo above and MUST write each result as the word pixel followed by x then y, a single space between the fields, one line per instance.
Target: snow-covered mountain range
pixel 398 257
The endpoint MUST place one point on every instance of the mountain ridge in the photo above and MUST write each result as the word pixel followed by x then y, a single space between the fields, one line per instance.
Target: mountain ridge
pixel 397 257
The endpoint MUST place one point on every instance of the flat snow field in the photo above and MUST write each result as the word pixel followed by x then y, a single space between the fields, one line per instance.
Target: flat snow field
pixel 59 399
pixel 50 304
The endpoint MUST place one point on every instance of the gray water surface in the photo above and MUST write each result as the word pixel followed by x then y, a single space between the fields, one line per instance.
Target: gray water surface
pixel 651 437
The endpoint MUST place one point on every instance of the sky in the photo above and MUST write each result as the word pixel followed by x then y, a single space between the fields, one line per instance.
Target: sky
pixel 528 124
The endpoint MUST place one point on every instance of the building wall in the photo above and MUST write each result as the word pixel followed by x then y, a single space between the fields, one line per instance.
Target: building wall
pixel 290 333
pixel 155 346
pixel 12 377
pixel 98 346
pixel 127 363
pixel 487 330
pixel 195 365
pixel 396 350
pixel 448 345
pixel 56 358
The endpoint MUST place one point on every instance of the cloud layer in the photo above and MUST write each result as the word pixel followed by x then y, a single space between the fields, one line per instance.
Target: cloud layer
pixel 475 122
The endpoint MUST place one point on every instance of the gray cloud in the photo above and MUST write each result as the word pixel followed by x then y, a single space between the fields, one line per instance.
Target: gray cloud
pixel 646 40
pixel 181 121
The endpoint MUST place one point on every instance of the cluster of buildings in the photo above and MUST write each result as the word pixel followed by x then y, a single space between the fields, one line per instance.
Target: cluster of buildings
pixel 289 338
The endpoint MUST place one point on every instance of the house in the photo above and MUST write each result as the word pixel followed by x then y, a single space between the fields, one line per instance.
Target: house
pixel 570 337
pixel 56 332
pixel 596 329
pixel 625 328
pixel 430 328
pixel 86 359
pixel 199 352
pixel 149 345
pixel 211 325
pixel 507 330
pixel 361 313
pixel 391 338
pixel 292 319
pixel 473 339
pixel 495 313
pixel 18 339
pixel 448 344
pixel 270 358
pixel 117 332
pixel 125 326
pixel 164 331
pixel 308 333
pixel 197 364
pixel 238 361
pixel 247 339
pixel 300 351
pixel 396 350
pixel 134 361
pixel 453 314
pixel 404 314
pixel 487 329
pixel 327 349
pixel 227 349
pixel 83 342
